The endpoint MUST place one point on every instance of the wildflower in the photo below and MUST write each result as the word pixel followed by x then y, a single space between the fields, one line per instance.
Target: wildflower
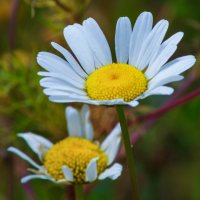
pixel 141 69
pixel 76 159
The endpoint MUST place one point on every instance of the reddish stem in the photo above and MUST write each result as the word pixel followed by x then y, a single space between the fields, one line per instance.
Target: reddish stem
pixel 169 106
pixel 12 23
pixel 62 6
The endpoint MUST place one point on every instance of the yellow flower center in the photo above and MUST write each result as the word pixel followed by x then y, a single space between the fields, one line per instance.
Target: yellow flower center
pixel 75 153
pixel 116 81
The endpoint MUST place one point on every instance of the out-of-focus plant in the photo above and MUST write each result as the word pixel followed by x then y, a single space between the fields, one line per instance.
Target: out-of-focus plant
pixel 64 9
pixel 21 101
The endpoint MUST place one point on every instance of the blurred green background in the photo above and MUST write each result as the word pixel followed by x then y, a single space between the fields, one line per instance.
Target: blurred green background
pixel 167 158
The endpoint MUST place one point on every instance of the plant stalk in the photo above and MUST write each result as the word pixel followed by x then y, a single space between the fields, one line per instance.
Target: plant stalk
pixel 129 152
pixel 79 192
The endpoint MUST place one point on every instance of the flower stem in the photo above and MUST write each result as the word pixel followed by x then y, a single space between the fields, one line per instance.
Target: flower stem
pixel 79 192
pixel 129 153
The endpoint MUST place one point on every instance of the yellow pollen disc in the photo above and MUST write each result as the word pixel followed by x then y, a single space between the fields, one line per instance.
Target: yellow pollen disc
pixel 75 153
pixel 116 81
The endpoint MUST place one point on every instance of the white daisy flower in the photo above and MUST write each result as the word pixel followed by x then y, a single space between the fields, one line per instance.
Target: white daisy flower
pixel 90 76
pixel 76 159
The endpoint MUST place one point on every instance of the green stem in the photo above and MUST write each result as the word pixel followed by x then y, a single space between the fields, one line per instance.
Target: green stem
pixel 129 152
pixel 79 192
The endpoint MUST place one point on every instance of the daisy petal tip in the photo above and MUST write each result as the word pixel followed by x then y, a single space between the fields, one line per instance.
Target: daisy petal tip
pixel 146 15
pixel 112 173
pixel 181 34
pixel 124 18
pixel 37 176
pixel 134 103
pixel 52 99
pixel 67 173
pixel 10 149
pixel 91 171
pixel 23 180
pixel 90 20
pixel 53 44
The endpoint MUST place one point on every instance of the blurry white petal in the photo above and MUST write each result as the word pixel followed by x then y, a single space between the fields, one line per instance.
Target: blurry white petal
pixel 91 171
pixel 113 172
pixel 53 63
pixel 111 144
pixel 155 82
pixel 70 99
pixel 97 42
pixel 151 44
pixel 58 84
pixel 73 122
pixel 173 40
pixel 122 39
pixel 162 90
pixel 157 62
pixel 133 103
pixel 86 123
pixel 62 181
pixel 177 66
pixel 160 60
pixel 67 173
pixel 75 38
pixel 142 28
pixel 63 77
pixel 50 92
pixel 37 143
pixel 73 63
pixel 31 177
pixel 23 156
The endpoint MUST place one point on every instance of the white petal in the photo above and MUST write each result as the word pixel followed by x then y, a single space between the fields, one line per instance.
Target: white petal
pixel 97 42
pixel 160 60
pixel 37 143
pixel 133 103
pixel 23 156
pixel 50 92
pixel 122 39
pixel 86 123
pixel 73 122
pixel 91 171
pixel 113 172
pixel 151 44
pixel 155 82
pixel 75 38
pixel 67 173
pixel 53 63
pixel 111 144
pixel 70 99
pixel 63 77
pixel 177 66
pixel 73 63
pixel 142 28
pixel 162 90
pixel 31 177
pixel 62 181
pixel 174 39
pixel 55 83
